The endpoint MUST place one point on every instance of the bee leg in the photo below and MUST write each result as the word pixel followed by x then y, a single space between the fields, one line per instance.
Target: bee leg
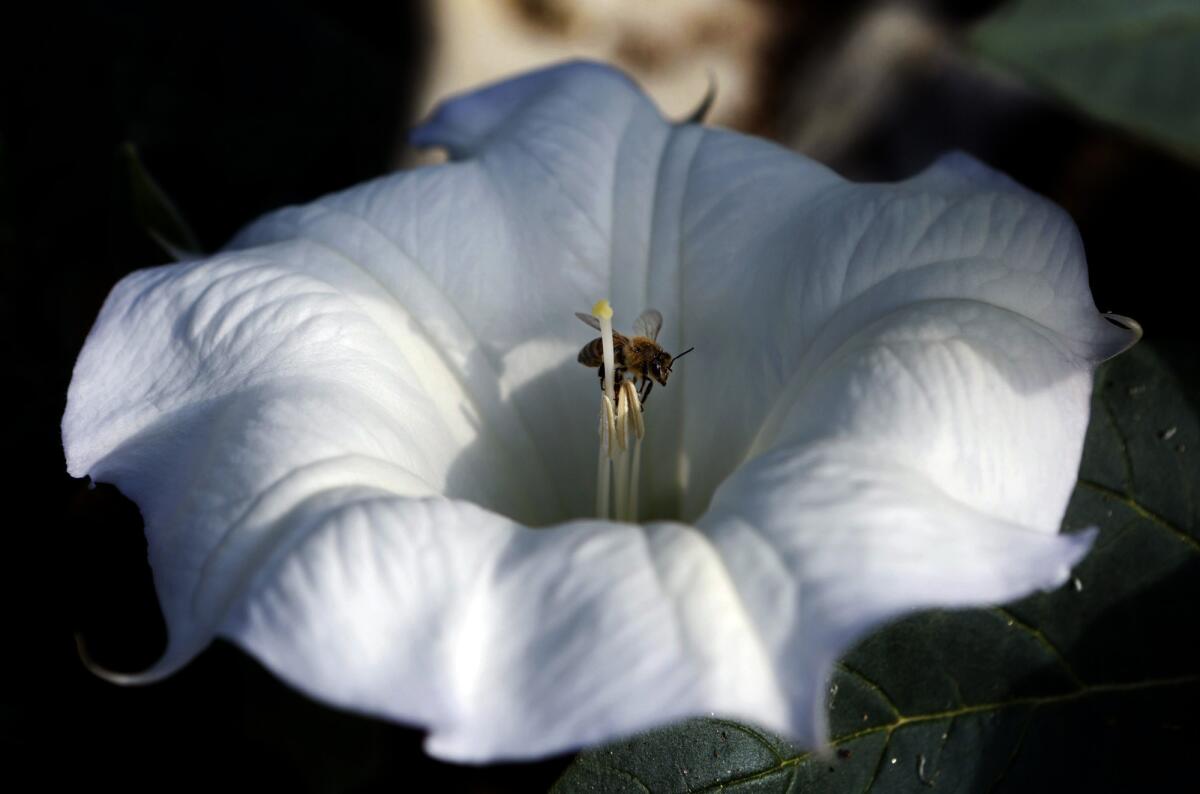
pixel 647 385
pixel 618 376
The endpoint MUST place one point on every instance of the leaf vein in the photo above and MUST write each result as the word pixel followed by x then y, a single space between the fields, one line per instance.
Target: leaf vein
pixel 746 730
pixel 874 687
pixel 1017 745
pixel 1142 511
pixel 1038 635
pixel 1122 442
pixel 883 751
pixel 1034 701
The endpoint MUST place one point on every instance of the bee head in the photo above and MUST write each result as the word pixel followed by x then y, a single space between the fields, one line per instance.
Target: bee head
pixel 660 366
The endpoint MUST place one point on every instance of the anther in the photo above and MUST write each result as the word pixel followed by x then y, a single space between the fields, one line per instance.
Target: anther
pixel 622 421
pixel 633 407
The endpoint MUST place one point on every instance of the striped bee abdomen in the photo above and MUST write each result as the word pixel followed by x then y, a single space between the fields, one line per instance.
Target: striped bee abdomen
pixel 592 354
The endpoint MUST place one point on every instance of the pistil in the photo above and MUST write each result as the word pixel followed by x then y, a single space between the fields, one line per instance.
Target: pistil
pixel 603 313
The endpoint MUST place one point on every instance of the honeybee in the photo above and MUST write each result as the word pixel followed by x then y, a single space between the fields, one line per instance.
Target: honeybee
pixel 640 354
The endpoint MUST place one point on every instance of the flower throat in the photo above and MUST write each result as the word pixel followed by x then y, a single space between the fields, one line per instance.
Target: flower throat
pixel 622 402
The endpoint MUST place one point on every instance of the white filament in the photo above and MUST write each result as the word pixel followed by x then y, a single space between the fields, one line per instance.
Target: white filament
pixel 603 312
pixel 620 456
pixel 634 417
pixel 606 430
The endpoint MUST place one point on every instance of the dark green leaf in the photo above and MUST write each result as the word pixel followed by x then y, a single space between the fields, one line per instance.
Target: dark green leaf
pixel 1132 63
pixel 1094 686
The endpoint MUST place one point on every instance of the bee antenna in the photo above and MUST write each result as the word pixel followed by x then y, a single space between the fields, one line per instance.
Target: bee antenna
pixel 681 355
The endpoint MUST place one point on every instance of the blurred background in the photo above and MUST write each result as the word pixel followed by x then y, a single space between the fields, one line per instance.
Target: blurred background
pixel 233 109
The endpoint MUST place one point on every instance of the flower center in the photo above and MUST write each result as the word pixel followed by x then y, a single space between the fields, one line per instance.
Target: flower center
pixel 535 451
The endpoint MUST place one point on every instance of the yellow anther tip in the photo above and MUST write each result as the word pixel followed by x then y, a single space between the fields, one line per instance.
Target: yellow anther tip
pixel 602 309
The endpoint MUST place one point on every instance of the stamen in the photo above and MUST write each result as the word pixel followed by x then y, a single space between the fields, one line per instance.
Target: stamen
pixel 634 402
pixel 620 413
pixel 621 459
pixel 608 426
pixel 606 430
pixel 635 467
pixel 633 408
pixel 623 417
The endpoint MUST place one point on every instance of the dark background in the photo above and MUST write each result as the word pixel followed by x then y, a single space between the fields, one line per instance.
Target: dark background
pixel 239 108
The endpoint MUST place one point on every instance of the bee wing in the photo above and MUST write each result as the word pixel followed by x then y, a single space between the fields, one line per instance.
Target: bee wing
pixel 648 324
pixel 589 319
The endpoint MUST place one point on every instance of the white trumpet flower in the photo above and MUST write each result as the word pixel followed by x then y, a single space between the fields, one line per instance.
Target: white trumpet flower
pixel 343 430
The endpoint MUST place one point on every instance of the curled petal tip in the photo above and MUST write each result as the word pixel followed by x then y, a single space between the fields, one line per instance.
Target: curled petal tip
pixel 702 110
pixel 1127 323
pixel 148 676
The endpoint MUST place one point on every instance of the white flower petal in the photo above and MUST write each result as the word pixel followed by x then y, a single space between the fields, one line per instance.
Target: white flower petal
pixel 874 501
pixel 504 641
pixel 490 257
pixel 890 387
pixel 831 258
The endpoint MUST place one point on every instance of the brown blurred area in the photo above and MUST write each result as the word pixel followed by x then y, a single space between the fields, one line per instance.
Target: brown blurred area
pixel 670 46
pixel 237 108
pixel 875 89
pixel 772 61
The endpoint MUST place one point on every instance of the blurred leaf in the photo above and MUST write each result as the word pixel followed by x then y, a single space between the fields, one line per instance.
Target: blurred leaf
pixel 1091 687
pixel 1132 63
pixel 155 211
